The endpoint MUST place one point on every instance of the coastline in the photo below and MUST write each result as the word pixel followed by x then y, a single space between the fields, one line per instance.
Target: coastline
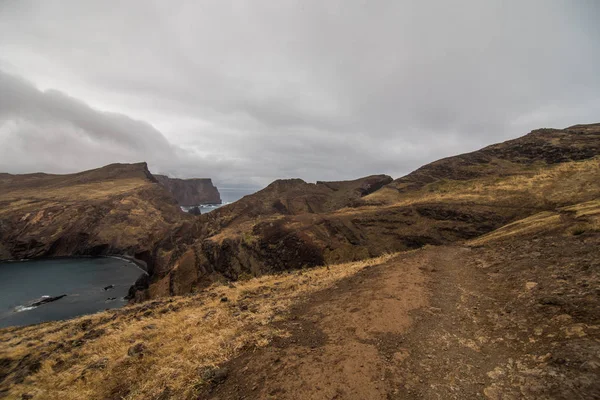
pixel 138 263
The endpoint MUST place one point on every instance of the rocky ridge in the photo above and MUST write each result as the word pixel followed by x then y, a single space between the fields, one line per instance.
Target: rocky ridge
pixel 293 224
pixel 117 209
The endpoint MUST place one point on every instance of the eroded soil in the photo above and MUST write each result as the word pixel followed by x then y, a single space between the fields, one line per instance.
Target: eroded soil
pixel 515 319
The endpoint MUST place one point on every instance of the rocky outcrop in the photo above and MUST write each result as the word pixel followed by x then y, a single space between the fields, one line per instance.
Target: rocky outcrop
pixel 121 209
pixel 294 224
pixel 116 209
pixel 44 300
pixel 191 192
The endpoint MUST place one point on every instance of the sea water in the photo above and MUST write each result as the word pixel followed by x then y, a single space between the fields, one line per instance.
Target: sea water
pixel 228 196
pixel 83 280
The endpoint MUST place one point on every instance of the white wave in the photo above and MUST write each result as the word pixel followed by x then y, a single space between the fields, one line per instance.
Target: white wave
pixel 23 308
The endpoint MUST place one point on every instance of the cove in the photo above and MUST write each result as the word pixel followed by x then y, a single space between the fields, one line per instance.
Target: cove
pixel 32 291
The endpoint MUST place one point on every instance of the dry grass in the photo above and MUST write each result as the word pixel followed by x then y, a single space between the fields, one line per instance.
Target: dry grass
pixel 89 191
pixel 548 186
pixel 575 219
pixel 543 221
pixel 197 332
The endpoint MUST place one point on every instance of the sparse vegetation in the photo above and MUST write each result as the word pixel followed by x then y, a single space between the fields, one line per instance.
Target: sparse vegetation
pixel 180 338
pixel 516 225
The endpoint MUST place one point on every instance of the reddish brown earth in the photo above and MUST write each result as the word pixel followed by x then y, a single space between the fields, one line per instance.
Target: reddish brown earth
pixel 512 319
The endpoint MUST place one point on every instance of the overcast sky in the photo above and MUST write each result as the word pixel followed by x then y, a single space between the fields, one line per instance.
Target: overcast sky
pixel 246 92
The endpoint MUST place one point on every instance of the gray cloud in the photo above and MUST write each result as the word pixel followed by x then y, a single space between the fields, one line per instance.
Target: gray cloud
pixel 250 92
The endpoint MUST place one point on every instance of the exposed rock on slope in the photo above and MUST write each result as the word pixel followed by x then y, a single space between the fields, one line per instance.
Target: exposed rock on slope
pixel 191 192
pixel 511 315
pixel 293 224
pixel 117 209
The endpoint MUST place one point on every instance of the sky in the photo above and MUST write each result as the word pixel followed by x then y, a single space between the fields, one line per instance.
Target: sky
pixel 246 92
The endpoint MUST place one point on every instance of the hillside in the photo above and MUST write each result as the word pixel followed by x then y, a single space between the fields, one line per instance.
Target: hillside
pixel 293 224
pixel 475 276
pixel 191 192
pixel 117 209
pixel 511 314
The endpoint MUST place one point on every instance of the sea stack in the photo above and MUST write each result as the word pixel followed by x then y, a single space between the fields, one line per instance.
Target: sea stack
pixel 191 192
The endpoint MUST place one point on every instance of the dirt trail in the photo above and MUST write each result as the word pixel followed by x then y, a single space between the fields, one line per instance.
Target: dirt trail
pixel 516 320
pixel 346 342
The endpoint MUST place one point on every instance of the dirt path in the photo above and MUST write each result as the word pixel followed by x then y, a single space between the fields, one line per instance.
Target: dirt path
pixel 346 342
pixel 501 322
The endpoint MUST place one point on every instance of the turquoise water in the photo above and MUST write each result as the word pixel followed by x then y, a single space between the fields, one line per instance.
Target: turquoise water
pixel 82 279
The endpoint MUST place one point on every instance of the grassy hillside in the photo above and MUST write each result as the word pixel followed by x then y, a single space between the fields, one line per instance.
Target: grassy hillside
pixel 474 276
pixel 500 315
pixel 117 209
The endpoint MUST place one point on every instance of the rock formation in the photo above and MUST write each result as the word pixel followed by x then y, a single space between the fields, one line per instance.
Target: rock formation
pixel 294 224
pixel 120 209
pixel 116 209
pixel 191 192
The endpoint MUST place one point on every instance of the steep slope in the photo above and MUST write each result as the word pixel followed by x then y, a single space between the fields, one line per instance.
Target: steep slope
pixel 539 148
pixel 117 209
pixel 292 224
pixel 514 314
pixel 191 192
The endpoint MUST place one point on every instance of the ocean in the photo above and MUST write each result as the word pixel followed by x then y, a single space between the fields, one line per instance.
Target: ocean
pixel 82 280
pixel 228 196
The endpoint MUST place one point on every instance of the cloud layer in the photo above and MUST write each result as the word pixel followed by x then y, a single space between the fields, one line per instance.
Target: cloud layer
pixel 247 92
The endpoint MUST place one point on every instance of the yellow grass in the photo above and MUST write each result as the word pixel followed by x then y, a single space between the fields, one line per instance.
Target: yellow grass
pixel 536 223
pixel 576 219
pixel 89 191
pixel 201 332
pixel 542 187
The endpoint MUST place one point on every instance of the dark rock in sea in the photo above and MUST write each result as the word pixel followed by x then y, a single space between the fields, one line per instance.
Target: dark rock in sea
pixel 45 300
pixel 111 299
pixel 140 284
pixel 195 211
pixel 109 287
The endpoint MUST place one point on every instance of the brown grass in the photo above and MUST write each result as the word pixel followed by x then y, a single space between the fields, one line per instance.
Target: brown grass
pixel 576 219
pixel 548 186
pixel 197 332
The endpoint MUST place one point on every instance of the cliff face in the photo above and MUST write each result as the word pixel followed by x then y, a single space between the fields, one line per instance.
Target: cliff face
pixel 293 224
pixel 116 209
pixel 191 192
pixel 121 209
